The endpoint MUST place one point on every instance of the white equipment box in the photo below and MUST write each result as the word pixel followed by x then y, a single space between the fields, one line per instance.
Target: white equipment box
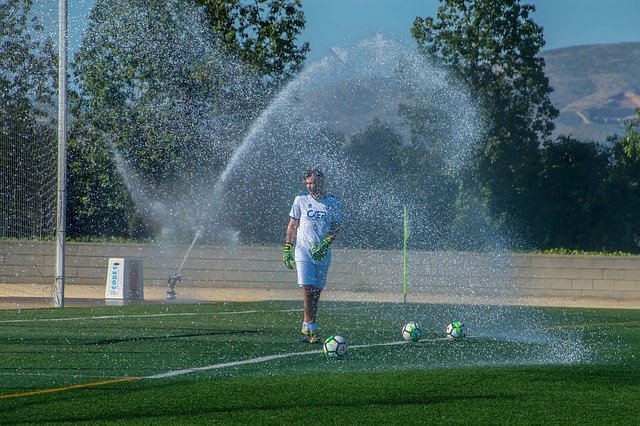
pixel 125 279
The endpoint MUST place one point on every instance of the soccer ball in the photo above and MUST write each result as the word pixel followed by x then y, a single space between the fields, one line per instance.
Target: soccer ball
pixel 455 330
pixel 412 331
pixel 335 347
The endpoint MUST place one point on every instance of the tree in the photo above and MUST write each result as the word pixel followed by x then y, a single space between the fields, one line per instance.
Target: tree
pixel 623 200
pixel 572 195
pixel 262 33
pixel 377 150
pixel 409 174
pixel 27 63
pixel 493 47
pixel 159 91
pixel 27 137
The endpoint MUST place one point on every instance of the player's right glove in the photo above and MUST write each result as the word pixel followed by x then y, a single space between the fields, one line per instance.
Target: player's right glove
pixel 287 257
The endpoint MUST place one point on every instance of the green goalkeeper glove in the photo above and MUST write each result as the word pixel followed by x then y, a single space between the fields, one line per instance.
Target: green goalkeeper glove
pixel 319 251
pixel 287 257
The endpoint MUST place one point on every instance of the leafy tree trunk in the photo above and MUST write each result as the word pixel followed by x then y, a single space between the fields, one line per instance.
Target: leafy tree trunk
pixel 573 194
pixel 163 101
pixel 623 195
pixel 493 47
pixel 262 33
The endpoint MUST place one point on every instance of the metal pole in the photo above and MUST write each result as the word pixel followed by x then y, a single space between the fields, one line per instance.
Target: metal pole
pixel 62 152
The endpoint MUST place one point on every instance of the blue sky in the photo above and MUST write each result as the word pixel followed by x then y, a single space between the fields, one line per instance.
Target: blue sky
pixel 342 23
pixel 565 22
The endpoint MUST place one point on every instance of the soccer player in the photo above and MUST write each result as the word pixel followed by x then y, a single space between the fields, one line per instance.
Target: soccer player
pixel 314 223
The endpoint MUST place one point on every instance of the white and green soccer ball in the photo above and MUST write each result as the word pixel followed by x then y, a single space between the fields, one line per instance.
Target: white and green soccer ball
pixel 335 346
pixel 455 330
pixel 412 331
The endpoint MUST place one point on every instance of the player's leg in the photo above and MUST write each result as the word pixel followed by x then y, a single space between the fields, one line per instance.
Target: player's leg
pixel 310 297
pixel 312 279
pixel 311 300
pixel 306 278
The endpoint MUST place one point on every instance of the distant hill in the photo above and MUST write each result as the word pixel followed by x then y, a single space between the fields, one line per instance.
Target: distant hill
pixel 596 88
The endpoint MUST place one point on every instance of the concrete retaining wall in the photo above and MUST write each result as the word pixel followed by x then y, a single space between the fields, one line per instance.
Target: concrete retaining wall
pixel 361 271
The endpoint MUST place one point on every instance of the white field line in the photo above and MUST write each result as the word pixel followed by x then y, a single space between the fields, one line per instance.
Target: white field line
pixel 258 360
pixel 107 317
pixel 243 362
pixel 176 373
pixel 177 314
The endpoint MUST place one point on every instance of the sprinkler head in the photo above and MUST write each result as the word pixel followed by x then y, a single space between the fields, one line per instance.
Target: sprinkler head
pixel 173 280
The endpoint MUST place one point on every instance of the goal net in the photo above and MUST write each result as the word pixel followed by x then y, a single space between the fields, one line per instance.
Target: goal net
pixel 28 172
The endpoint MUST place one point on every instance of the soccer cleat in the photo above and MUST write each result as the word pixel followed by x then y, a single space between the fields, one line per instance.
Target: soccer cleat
pixel 314 338
pixel 307 336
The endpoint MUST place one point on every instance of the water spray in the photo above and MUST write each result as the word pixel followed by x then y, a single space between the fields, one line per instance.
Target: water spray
pixel 314 117
pixel 176 278
pixel 405 238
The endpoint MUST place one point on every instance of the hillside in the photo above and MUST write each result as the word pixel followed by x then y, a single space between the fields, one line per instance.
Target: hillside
pixel 596 88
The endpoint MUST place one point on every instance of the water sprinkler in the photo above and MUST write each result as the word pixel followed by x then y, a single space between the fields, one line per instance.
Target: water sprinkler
pixel 176 278
pixel 173 280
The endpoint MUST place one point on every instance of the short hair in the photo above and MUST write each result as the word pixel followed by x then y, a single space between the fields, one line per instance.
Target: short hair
pixel 317 173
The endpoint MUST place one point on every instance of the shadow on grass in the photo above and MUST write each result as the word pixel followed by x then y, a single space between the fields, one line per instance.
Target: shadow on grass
pixel 171 336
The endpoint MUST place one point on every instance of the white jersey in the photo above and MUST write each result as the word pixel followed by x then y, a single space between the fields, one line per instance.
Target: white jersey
pixel 316 218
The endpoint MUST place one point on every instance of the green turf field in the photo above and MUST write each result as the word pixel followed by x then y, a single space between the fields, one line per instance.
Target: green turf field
pixel 242 363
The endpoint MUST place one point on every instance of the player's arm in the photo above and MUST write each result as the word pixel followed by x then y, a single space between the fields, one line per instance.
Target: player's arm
pixel 336 224
pixel 292 229
pixel 334 230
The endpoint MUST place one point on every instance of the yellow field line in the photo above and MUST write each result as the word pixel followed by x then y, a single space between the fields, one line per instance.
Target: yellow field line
pixel 80 386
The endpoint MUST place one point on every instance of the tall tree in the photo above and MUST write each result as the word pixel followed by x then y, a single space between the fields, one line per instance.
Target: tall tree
pixel 263 33
pixel 27 138
pixel 151 82
pixel 572 206
pixel 624 193
pixel 27 62
pixel 165 95
pixel 493 47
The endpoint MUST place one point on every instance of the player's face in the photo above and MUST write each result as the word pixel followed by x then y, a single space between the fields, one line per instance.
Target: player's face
pixel 314 186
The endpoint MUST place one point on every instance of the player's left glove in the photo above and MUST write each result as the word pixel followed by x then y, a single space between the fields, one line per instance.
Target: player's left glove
pixel 319 251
